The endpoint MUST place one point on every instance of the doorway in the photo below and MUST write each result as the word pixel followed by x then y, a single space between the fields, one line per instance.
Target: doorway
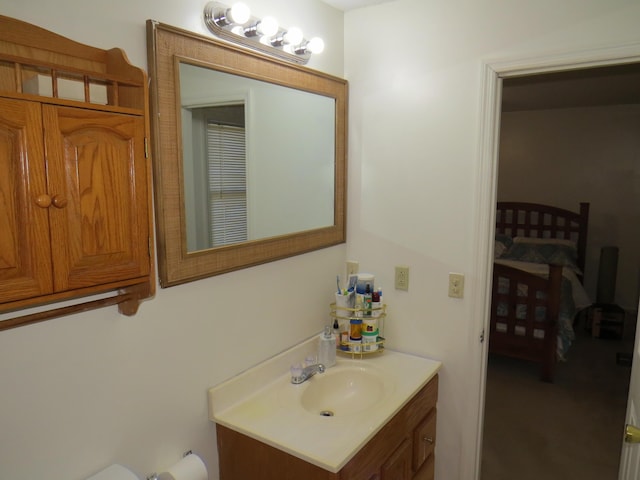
pixel 496 75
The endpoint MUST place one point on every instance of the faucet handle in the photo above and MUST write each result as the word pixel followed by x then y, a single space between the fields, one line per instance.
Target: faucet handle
pixel 296 372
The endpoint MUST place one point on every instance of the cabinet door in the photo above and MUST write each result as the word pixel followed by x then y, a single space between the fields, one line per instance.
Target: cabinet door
pixel 398 465
pixel 25 260
pixel 424 439
pixel 97 170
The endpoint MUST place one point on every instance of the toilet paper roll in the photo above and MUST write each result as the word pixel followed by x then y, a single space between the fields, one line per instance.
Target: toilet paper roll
pixel 114 472
pixel 190 467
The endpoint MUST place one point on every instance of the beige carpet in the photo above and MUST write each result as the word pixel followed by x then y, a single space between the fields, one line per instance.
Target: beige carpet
pixel 571 429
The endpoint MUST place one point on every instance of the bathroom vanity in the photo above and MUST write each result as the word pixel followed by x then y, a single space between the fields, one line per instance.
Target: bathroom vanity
pixel 371 419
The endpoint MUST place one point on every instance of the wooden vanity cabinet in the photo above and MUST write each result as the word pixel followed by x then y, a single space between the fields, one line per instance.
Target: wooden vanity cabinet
pixel 75 193
pixel 402 450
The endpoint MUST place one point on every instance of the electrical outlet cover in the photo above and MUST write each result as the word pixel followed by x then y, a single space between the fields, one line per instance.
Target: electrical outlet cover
pixel 352 267
pixel 402 278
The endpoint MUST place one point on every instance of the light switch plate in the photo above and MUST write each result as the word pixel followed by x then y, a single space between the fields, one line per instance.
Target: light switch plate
pixel 456 285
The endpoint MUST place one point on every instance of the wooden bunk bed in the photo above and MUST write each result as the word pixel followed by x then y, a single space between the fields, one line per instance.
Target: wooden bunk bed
pixel 540 258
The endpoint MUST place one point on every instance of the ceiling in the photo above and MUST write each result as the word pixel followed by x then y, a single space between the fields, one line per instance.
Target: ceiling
pixel 613 85
pixel 346 5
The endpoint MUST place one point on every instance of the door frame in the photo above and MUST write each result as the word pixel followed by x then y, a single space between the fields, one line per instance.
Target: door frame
pixel 493 72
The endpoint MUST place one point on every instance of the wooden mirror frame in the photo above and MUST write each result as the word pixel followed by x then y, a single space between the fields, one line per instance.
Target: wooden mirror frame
pixel 166 46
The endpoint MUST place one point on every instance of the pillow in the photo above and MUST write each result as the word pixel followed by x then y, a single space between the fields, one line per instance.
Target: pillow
pixel 544 250
pixel 502 244
pixel 546 241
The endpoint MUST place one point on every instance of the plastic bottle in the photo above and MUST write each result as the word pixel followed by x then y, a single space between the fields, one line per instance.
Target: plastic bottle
pixel 336 331
pixel 369 340
pixel 355 334
pixel 375 304
pixel 344 339
pixel 359 305
pixel 367 300
pixel 355 329
pixel 327 348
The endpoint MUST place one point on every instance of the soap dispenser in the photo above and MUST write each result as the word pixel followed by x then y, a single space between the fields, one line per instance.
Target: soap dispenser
pixel 327 348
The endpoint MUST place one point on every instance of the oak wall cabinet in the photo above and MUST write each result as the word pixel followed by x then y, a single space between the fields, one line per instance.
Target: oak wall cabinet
pixel 402 450
pixel 75 193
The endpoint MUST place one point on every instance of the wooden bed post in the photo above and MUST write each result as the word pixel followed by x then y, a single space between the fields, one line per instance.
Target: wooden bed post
pixel 581 244
pixel 547 370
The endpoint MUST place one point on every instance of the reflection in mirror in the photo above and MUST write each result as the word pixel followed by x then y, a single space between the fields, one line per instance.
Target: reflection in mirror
pixel 230 176
pixel 275 188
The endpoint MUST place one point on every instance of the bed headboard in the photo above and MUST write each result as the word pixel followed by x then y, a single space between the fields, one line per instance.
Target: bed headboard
pixel 544 221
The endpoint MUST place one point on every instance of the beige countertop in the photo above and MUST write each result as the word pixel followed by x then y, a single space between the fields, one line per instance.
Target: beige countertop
pixel 263 404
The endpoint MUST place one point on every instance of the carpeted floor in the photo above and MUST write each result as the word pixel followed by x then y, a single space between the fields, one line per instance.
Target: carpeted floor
pixel 570 429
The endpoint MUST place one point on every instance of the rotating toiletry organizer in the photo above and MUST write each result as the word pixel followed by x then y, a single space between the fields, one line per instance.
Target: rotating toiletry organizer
pixel 370 321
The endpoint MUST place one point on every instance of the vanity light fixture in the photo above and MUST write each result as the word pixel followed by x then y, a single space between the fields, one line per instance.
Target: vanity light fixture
pixel 237 25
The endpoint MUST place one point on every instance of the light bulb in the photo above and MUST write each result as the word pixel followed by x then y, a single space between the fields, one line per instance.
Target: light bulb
pixel 293 36
pixel 268 26
pixel 239 13
pixel 315 45
pixel 238 30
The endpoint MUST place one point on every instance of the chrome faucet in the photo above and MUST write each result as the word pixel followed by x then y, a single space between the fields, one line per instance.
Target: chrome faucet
pixel 304 374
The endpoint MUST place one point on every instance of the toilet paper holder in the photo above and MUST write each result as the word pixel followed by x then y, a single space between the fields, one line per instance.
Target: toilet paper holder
pixel 154 475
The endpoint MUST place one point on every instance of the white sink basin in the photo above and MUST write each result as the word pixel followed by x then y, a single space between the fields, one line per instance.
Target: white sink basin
pixel 344 391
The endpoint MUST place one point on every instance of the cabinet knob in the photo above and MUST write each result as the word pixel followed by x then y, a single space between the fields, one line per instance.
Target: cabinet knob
pixel 43 201
pixel 59 201
pixel 428 439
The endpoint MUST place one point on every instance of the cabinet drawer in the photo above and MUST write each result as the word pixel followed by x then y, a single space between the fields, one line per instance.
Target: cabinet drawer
pixel 424 440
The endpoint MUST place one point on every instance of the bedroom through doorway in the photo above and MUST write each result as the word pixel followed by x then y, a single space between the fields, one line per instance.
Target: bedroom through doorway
pixel 565 138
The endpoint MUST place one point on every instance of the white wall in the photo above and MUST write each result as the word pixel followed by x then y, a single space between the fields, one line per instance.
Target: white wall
pixel 415 172
pixel 81 392
pixel 567 156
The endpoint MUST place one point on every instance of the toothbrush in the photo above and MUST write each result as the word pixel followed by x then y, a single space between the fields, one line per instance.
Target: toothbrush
pixel 338 284
pixel 353 280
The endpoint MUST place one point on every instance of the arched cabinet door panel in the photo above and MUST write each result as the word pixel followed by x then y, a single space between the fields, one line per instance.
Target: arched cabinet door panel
pixel 25 259
pixel 99 231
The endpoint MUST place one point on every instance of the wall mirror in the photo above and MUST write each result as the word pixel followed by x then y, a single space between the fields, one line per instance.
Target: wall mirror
pixel 249 156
